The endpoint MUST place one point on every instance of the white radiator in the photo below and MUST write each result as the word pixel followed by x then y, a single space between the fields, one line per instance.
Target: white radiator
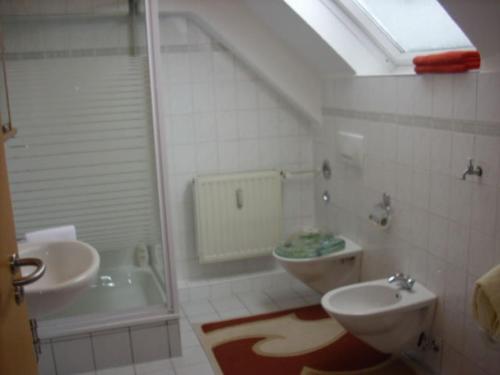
pixel 237 215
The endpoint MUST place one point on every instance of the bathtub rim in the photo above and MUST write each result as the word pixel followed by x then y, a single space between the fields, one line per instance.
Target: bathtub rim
pixel 85 324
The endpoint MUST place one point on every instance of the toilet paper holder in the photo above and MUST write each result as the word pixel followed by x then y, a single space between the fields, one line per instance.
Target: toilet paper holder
pixel 381 214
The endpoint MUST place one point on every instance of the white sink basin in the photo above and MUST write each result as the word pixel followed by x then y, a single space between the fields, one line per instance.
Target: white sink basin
pixel 71 268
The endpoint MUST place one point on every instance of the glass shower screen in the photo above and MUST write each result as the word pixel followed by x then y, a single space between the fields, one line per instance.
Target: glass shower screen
pixel 84 154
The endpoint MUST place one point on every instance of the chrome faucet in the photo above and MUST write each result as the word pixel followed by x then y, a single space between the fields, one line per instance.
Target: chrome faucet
pixel 405 282
pixel 472 170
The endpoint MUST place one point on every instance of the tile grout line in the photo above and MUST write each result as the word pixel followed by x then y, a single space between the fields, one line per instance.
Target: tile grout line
pixel 53 357
pixel 91 339
pixel 132 354
pixel 243 303
pixel 458 126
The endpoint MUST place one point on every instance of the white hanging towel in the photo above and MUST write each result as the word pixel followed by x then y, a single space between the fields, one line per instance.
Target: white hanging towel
pixel 64 233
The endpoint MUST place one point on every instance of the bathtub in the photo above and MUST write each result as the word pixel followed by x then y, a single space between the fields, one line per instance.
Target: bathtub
pixel 117 289
pixel 120 296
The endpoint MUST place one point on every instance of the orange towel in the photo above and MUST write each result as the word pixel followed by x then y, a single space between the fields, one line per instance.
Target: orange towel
pixel 469 63
pixel 447 62
pixel 445 58
pixel 451 68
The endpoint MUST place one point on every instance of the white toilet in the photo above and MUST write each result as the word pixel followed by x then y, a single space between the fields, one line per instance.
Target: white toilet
pixel 326 272
pixel 381 314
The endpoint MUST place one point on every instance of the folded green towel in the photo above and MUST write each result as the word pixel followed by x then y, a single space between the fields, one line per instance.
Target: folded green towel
pixel 310 245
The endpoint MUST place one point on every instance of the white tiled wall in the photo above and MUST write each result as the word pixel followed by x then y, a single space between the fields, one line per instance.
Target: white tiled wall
pixel 419 132
pixel 62 7
pixel 222 118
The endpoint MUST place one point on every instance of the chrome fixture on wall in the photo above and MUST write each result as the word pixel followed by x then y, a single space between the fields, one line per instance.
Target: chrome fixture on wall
pixel 381 214
pixel 326 197
pixel 326 169
pixel 472 170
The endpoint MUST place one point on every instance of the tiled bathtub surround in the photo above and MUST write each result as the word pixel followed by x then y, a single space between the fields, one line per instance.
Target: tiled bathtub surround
pixel 108 351
pixel 419 132
pixel 222 118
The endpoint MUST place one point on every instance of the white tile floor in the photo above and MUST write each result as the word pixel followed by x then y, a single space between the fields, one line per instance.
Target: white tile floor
pixel 194 360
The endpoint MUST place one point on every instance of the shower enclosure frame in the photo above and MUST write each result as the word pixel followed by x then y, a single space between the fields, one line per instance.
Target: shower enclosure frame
pixel 170 309
pixel 152 14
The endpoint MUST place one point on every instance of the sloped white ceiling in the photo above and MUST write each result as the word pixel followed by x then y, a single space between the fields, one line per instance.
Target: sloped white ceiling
pixel 480 20
pixel 322 33
pixel 297 34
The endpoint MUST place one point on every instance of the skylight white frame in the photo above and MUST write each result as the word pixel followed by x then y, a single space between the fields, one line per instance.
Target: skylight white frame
pixel 377 35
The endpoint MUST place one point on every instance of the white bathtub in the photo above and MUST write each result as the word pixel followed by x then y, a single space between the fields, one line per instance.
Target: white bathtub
pixel 123 296
pixel 117 289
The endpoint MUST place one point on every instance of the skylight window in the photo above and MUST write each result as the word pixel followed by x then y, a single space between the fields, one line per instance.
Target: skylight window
pixel 415 25
pixel 400 29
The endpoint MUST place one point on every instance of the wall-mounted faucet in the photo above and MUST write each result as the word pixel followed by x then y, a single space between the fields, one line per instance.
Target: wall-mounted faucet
pixel 472 170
